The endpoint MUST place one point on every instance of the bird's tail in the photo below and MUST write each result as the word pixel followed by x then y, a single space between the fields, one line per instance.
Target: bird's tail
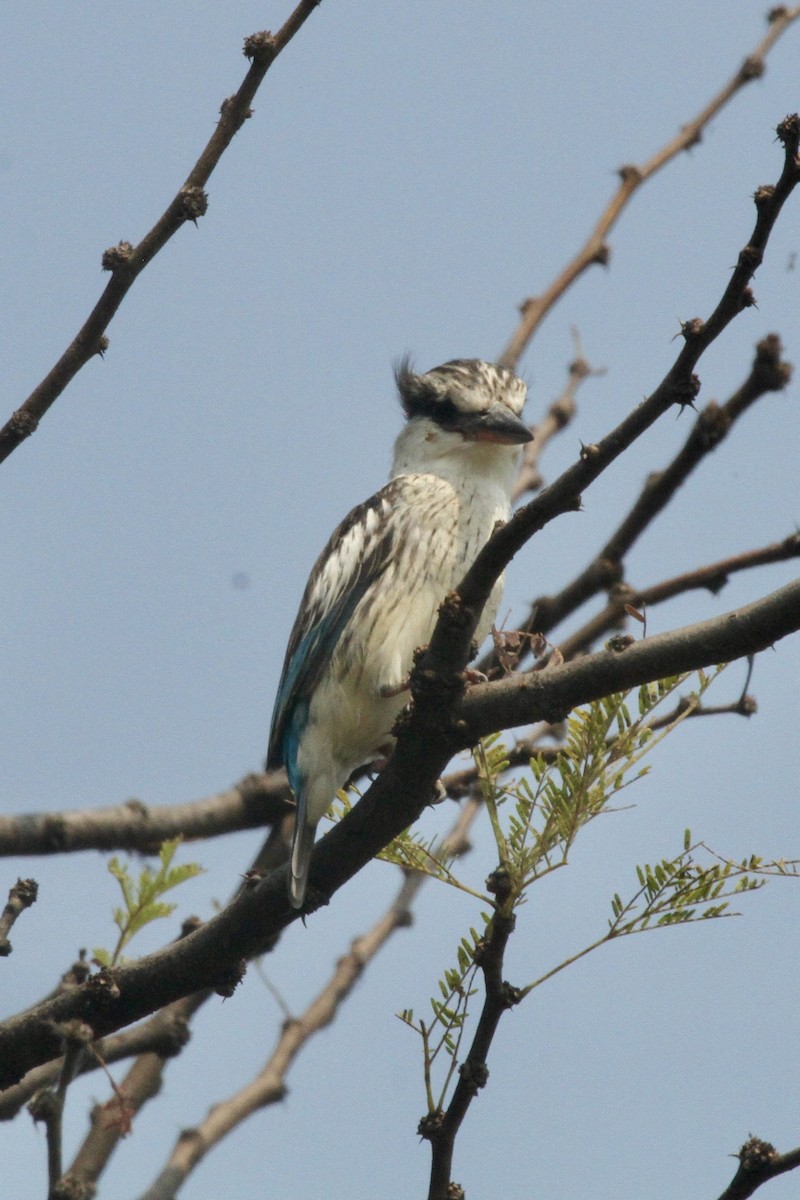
pixel 302 845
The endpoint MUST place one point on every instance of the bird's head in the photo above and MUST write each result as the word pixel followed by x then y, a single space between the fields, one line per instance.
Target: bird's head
pixel 465 407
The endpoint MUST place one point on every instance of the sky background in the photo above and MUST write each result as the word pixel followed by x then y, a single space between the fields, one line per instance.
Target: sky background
pixel 411 172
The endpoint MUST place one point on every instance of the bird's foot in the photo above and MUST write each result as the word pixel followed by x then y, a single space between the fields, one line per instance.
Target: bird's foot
pixel 471 677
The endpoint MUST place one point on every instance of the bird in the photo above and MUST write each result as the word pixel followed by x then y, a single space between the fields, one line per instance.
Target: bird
pixel 373 595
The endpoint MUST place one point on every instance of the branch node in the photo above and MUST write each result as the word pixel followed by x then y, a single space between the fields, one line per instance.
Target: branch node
pixel 694 138
pixel 194 203
pixel 230 101
pixel 756 1154
pixel 770 371
pixel 752 68
pixel 431 1124
pixel 602 255
pixel 498 884
pixel 475 1075
pixel 789 133
pixel 747 299
pixel 631 174
pixel 511 995
pixel 21 425
pixel 21 896
pixel 620 642
pixel 750 257
pixel 692 328
pixel 260 48
pixel 25 892
pixel 762 196
pixel 229 979
pixel 712 425
pixel 103 987
pixel 686 391
pixel 777 13
pixel 116 257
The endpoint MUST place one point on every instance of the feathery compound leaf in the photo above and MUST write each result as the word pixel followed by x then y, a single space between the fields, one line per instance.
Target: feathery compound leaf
pixel 142 896
pixel 601 754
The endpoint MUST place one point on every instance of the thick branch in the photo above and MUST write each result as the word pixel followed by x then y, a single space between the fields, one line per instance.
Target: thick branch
pixel 212 955
pixel 126 262
pixel 165 1035
pixel 269 1085
pixel 550 694
pixel 255 801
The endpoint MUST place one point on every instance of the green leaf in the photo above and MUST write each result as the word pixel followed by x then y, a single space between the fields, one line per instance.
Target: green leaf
pixel 142 896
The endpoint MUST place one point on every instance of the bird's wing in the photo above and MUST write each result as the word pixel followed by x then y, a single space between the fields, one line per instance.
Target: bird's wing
pixel 355 556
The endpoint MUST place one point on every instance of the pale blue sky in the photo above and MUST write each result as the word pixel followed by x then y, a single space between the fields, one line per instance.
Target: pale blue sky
pixel 412 172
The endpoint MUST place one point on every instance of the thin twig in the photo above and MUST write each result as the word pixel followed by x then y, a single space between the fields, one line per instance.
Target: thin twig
pixel 48 1106
pixel 768 373
pixel 712 577
pixel 442 1128
pixel 21 896
pixel 558 416
pixel 126 262
pixel 596 250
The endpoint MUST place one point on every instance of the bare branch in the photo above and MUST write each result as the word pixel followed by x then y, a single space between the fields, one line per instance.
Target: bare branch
pixel 605 571
pixel 165 1035
pixel 21 896
pixel 712 577
pixel 758 1162
pixel 110 1122
pixel 441 1129
pixel 126 262
pixel 513 701
pixel 255 801
pixel 558 416
pixel 439 726
pixel 269 1085
pixel 769 373
pixel 48 1106
pixel 595 249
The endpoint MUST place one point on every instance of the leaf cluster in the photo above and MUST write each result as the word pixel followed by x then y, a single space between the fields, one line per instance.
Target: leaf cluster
pixel 141 896
pixel 535 821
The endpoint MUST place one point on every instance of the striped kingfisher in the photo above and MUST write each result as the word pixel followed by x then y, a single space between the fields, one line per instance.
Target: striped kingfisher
pixel 374 593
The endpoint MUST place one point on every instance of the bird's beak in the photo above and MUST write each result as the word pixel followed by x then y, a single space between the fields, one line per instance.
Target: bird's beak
pixel 498 425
